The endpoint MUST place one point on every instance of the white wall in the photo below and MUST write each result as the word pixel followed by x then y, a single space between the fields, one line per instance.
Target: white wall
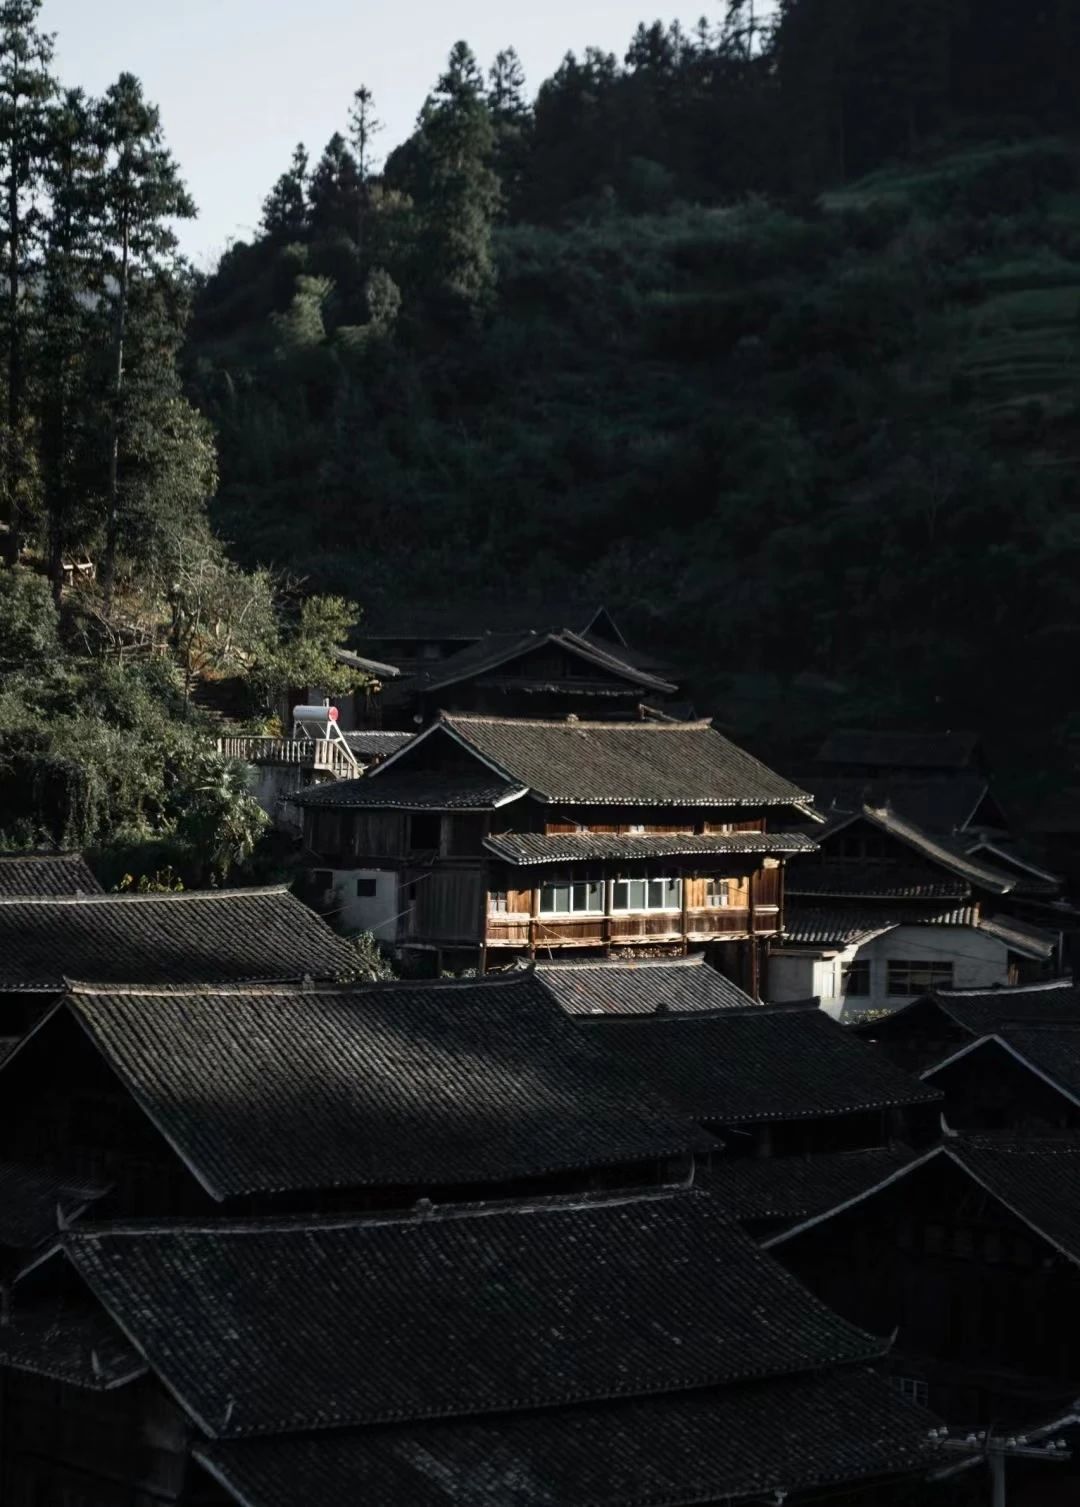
pixel 979 961
pixel 353 912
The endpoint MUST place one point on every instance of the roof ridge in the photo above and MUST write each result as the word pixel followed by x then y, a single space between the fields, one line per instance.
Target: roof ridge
pixel 691 960
pixel 465 719
pixel 133 898
pixel 273 987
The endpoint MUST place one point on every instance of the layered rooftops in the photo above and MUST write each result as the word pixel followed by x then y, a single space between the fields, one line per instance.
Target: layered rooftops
pixel 203 936
pixel 44 874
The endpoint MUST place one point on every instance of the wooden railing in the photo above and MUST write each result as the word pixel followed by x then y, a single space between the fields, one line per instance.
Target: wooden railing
pixel 600 931
pixel 323 754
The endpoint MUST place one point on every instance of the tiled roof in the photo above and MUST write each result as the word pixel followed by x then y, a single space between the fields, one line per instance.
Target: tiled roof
pixel 1037 1180
pixel 764 1063
pixel 796 1187
pixel 409 790
pixel 843 926
pixel 33 1200
pixel 733 1445
pixel 936 805
pixel 68 1340
pixel 450 1315
pixel 206 936
pixel 535 847
pixel 640 988
pixel 46 874
pixel 370 743
pixel 427 1083
pixel 1050 1049
pixel 500 652
pixel 856 878
pixel 1055 1001
pixel 617 763
pixel 900 750
pixel 948 853
pixel 1021 936
pixel 374 667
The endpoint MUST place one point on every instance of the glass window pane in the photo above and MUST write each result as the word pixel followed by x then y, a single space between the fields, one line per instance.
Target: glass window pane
pixel 638 896
pixel 547 899
pixel 674 894
pixel 619 898
pixel 596 895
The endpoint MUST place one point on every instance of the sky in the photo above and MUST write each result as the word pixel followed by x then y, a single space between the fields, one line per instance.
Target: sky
pixel 240 82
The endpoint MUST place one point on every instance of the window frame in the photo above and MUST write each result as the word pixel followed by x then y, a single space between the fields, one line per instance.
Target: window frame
pixel 864 968
pixel 933 974
pixel 571 885
pixel 623 883
pixel 741 888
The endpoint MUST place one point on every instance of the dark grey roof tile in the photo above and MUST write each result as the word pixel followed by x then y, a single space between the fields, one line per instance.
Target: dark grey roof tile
pixel 640 987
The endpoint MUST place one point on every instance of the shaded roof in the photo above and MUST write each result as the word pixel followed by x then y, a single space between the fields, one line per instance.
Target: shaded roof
pixel 860 878
pixel 46 874
pixel 435 1083
pixel 793 1187
pixel 640 987
pixel 1033 879
pixel 613 763
pixel 414 790
pixel 68 1340
pixel 844 926
pixel 500 652
pixel 674 1451
pixel 936 805
pixel 372 743
pixel 765 1063
pixel 33 1201
pixel 580 847
pixel 948 853
pixel 1021 936
pixel 204 936
pixel 374 667
pixel 978 1012
pixel 1050 1050
pixel 274 1329
pixel 469 619
pixel 1036 1180
pixel 900 750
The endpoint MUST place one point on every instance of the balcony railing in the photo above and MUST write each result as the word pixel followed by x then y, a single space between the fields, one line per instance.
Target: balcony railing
pixel 322 755
pixel 543 932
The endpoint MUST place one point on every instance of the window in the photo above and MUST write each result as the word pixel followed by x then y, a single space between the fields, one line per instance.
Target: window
pixel 425 831
pixel 648 894
pixel 366 889
pixel 855 977
pixel 731 894
pixel 498 902
pixel 913 1389
pixel 908 978
pixel 567 899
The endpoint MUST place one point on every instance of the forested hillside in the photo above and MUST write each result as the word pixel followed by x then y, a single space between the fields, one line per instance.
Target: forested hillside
pixel 770 337
pixel 766 334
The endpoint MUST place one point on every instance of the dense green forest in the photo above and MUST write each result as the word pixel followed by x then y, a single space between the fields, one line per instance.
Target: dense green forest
pixel 765 333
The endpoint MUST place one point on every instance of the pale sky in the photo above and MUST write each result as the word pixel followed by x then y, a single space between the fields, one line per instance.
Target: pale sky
pixel 240 82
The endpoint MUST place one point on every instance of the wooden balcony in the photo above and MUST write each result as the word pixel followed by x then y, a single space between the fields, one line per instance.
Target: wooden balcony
pixel 546 932
pixel 323 755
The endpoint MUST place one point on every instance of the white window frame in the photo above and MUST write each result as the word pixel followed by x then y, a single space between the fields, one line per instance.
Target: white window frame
pixel 946 968
pixel 572 885
pixel 646 909
pixel 713 881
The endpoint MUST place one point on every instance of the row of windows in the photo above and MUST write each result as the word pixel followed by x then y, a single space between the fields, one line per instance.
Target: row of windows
pixel 587 896
pixel 906 977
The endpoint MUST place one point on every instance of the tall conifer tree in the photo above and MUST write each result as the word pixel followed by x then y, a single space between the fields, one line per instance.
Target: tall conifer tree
pixel 26 90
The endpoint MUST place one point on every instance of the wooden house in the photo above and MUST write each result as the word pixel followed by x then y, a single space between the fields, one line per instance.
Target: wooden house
pixel 642 1339
pixel 883 911
pixel 970 1254
pixel 532 674
pixel 189 1100
pixel 872 754
pixel 488 839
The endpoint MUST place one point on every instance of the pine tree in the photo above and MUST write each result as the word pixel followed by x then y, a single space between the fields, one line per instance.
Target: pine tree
pixel 285 210
pixel 364 126
pixel 26 90
pixel 141 192
pixel 456 191
pixel 68 319
pixel 334 195
pixel 511 118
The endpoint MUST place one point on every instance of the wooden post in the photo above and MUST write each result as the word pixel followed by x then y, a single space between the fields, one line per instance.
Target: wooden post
pixel 755 981
pixel 685 919
pixel 534 916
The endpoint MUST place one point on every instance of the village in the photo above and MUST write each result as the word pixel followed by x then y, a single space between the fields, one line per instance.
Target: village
pixel 714 1143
